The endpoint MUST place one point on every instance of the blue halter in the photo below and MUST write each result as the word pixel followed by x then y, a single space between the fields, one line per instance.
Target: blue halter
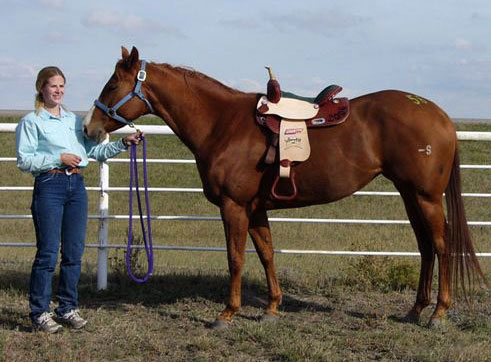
pixel 112 111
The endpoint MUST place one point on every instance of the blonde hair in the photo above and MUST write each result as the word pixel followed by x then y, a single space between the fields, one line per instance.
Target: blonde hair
pixel 43 77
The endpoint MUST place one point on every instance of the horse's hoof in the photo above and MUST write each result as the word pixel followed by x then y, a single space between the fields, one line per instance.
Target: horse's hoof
pixel 269 317
pixel 438 324
pixel 411 318
pixel 219 324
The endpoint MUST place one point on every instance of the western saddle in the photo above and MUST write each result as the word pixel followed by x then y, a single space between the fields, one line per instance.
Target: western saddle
pixel 289 117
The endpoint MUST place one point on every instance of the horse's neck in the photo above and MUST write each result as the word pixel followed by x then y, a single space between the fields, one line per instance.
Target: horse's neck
pixel 194 107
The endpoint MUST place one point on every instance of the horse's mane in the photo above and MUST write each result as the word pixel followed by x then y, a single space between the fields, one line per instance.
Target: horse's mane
pixel 189 72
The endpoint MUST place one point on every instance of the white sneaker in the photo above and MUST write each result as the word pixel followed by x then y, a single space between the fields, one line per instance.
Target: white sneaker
pixel 72 319
pixel 46 323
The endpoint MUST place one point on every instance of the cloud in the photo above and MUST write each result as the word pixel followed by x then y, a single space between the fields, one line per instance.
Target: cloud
pixel 463 44
pixel 316 21
pixel 11 69
pixel 475 72
pixel 241 23
pixel 52 3
pixel 321 22
pixel 245 85
pixel 57 37
pixel 128 23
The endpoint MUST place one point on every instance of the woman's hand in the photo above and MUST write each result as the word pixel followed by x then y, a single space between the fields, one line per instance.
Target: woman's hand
pixel 70 160
pixel 133 138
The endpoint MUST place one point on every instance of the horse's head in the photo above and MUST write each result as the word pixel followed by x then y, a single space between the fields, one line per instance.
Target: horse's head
pixel 121 100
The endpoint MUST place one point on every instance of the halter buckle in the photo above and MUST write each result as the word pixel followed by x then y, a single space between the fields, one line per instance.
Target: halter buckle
pixel 141 76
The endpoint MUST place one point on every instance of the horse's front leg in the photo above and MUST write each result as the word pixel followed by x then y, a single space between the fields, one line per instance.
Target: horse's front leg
pixel 235 221
pixel 261 236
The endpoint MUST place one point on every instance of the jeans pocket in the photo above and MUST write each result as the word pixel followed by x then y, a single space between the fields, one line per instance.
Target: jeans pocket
pixel 45 177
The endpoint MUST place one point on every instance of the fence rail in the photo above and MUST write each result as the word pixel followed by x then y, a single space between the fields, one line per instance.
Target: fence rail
pixel 104 216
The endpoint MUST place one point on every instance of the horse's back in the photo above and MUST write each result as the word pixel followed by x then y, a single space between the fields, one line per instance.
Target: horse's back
pixel 399 107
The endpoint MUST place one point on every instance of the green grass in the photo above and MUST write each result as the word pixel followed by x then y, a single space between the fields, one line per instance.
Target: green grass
pixel 335 307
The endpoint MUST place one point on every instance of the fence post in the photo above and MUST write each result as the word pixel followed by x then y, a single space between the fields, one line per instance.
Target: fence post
pixel 102 255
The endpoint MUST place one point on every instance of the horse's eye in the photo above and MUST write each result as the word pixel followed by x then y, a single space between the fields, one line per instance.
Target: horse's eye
pixel 111 86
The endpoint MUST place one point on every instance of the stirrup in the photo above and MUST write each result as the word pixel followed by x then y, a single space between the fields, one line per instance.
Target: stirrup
pixel 285 197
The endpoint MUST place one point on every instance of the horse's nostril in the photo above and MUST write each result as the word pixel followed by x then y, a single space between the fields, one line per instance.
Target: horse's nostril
pixel 85 129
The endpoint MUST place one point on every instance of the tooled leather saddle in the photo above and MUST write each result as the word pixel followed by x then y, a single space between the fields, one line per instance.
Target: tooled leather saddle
pixel 289 117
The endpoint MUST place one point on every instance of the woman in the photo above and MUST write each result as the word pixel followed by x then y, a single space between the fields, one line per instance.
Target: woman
pixel 51 145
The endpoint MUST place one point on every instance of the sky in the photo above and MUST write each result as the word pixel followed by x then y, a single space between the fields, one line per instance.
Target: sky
pixel 440 50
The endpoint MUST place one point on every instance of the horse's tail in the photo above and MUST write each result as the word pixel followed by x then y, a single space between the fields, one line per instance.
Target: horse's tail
pixel 465 270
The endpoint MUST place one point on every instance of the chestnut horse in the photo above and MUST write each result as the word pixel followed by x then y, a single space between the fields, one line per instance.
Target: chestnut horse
pixel 406 138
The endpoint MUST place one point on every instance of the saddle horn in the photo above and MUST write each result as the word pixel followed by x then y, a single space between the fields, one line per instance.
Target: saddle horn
pixel 273 88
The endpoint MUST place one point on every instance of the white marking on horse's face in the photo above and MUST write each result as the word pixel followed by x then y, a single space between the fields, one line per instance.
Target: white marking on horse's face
pixel 88 117
pixel 96 134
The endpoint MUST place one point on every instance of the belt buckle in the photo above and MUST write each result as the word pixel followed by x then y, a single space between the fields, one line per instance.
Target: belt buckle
pixel 68 171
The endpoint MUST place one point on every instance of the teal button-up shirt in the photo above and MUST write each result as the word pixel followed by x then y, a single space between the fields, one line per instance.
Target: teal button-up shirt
pixel 42 138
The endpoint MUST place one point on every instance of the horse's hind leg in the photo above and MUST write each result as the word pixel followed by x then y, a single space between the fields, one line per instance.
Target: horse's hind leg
pixel 426 249
pixel 432 209
pixel 430 223
pixel 261 236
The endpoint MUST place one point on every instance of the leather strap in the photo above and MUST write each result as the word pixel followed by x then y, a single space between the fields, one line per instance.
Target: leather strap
pixel 67 171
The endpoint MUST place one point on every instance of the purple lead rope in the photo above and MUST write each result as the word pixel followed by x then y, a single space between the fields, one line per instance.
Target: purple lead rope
pixel 147 242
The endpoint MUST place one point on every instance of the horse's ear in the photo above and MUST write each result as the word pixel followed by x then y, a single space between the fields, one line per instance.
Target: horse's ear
pixel 124 53
pixel 132 58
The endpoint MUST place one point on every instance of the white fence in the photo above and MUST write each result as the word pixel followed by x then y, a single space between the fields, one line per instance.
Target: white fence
pixel 104 216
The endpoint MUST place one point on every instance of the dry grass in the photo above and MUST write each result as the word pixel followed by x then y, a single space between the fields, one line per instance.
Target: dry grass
pixel 168 318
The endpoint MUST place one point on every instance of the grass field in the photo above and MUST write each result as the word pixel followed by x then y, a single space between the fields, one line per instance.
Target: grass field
pixel 335 307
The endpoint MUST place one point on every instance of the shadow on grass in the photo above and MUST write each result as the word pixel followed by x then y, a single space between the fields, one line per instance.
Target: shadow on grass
pixel 194 287
pixel 13 321
pixel 161 290
pixel 158 290
pixel 171 288
pixel 401 319
pixel 14 280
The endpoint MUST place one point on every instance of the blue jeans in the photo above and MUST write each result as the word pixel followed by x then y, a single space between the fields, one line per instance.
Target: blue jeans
pixel 59 211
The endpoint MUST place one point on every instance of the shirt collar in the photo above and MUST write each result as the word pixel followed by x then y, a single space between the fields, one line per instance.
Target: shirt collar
pixel 46 115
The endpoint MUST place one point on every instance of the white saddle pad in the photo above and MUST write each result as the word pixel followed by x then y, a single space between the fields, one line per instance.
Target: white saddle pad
pixel 290 108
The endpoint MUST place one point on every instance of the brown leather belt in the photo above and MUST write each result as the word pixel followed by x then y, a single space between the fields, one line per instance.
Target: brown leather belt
pixel 67 171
